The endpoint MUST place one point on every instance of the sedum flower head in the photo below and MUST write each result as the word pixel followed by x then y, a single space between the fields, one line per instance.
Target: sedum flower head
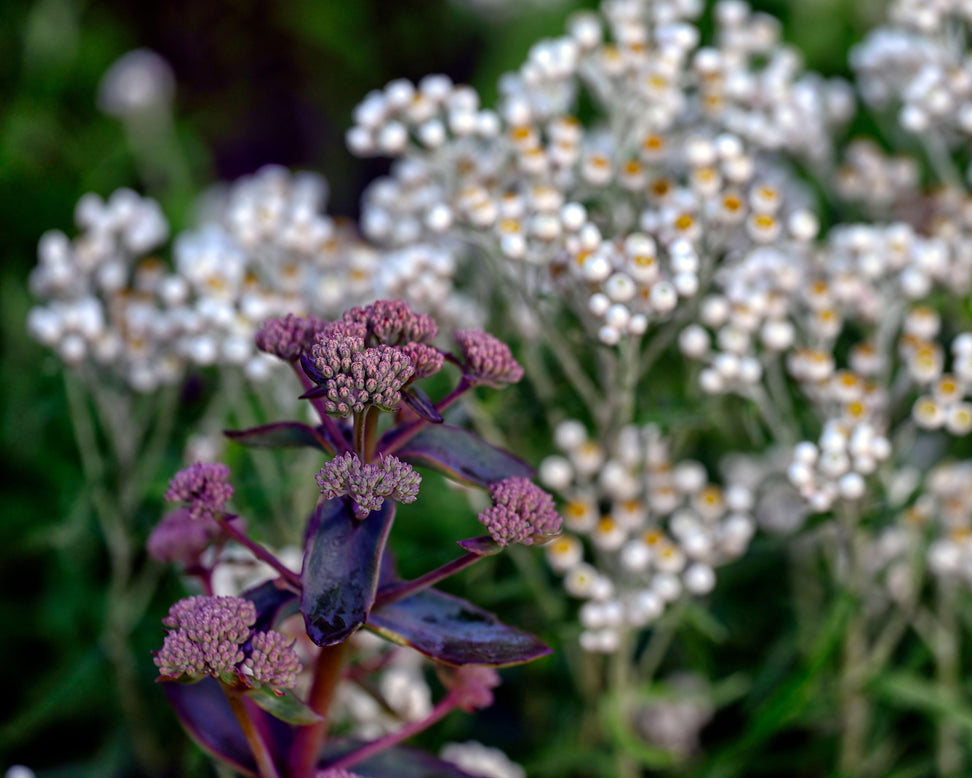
pixel 393 322
pixel 204 487
pixel 206 635
pixel 427 360
pixel 354 377
pixel 487 359
pixel 368 484
pixel 272 661
pixel 180 538
pixel 521 512
pixel 288 337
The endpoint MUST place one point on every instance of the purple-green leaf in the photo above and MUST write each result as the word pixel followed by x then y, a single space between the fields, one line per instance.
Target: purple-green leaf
pixel 484 545
pixel 454 631
pixel 282 434
pixel 204 712
pixel 273 604
pixel 395 762
pixel 283 705
pixel 342 561
pixel 462 455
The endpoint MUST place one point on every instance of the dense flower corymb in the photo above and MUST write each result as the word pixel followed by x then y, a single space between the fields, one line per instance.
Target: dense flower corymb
pixel 288 337
pixel 208 636
pixel 204 487
pixel 521 512
pixel 393 322
pixel 352 377
pixel 488 360
pixel 368 484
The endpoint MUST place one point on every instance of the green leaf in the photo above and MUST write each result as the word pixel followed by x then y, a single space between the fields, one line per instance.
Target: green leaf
pixel 906 690
pixel 283 705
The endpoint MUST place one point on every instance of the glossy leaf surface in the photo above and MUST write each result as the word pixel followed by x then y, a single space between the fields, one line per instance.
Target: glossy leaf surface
pixel 285 706
pixel 341 567
pixel 272 602
pixel 462 455
pixel 454 631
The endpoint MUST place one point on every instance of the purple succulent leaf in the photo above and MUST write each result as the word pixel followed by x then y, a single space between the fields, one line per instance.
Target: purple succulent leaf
pixel 395 762
pixel 420 403
pixel 205 714
pixel 462 455
pixel 273 604
pixel 453 631
pixel 310 370
pixel 313 394
pixel 282 434
pixel 484 545
pixel 342 562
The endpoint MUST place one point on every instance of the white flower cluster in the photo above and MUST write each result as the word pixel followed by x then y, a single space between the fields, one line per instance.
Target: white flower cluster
pixel 876 180
pixel 403 693
pixel 265 248
pixel 919 64
pixel 651 528
pixel 624 218
pixel 478 759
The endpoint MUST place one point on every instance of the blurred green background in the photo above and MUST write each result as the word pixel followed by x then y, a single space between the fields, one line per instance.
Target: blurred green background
pixel 258 81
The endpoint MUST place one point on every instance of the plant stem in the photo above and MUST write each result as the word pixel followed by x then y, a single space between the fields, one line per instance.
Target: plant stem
pixel 264 761
pixel 398 592
pixel 365 424
pixel 333 431
pixel 620 663
pixel 948 676
pixel 308 740
pixel 259 551
pixel 855 710
pixel 446 705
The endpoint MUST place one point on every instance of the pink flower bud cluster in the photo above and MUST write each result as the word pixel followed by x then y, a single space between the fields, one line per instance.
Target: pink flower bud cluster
pixel 204 487
pixel 356 377
pixel 288 337
pixel 207 636
pixel 368 484
pixel 521 512
pixel 487 359
pixel 393 322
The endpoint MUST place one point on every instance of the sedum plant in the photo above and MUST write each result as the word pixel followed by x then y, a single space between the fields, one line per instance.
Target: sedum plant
pixel 231 668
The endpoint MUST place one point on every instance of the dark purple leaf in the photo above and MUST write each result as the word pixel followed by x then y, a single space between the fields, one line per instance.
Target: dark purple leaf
pixel 206 715
pixel 484 545
pixel 341 567
pixel 462 455
pixel 419 402
pixel 273 604
pixel 282 434
pixel 310 370
pixel 314 393
pixel 395 762
pixel 454 631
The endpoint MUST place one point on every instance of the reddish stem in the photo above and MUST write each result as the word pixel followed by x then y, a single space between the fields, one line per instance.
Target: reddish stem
pixel 259 551
pixel 402 590
pixel 308 740
pixel 445 706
